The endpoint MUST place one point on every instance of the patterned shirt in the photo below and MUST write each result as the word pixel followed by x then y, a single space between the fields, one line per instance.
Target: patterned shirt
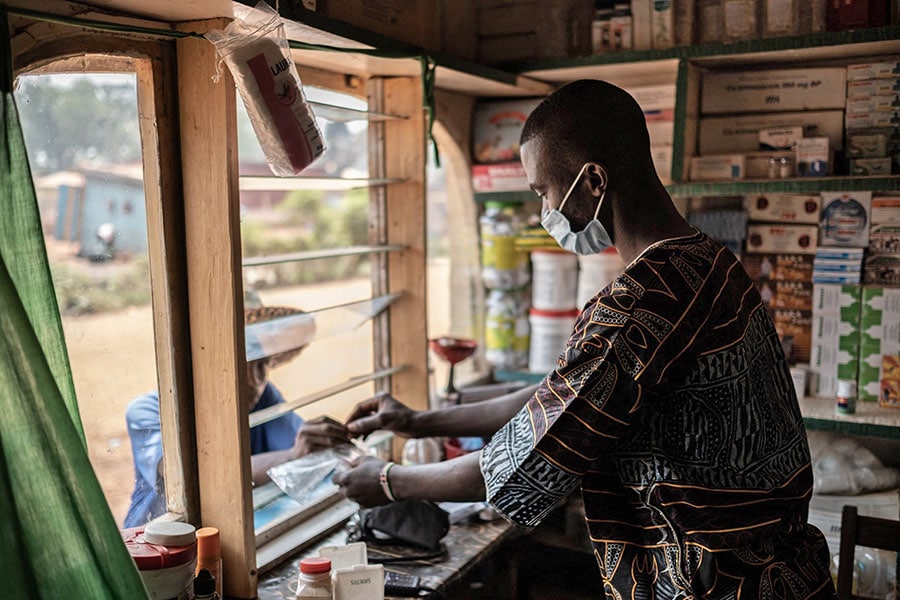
pixel 673 408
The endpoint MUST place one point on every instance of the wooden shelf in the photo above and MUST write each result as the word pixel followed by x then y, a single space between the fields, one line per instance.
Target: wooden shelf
pixel 869 420
pixel 823 46
pixel 807 185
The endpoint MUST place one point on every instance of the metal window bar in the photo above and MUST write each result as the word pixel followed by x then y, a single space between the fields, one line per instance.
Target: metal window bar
pixel 274 259
pixel 273 412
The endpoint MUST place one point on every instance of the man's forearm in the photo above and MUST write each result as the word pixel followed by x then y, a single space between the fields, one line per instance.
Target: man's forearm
pixel 479 419
pixel 456 480
pixel 260 463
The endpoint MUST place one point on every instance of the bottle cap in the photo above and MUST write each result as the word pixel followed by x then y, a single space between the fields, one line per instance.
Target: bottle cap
pixel 171 533
pixel 315 564
pixel 846 388
pixel 208 544
pixel 204 583
pixel 150 556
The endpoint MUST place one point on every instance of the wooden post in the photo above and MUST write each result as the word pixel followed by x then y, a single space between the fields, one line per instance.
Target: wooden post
pixel 210 175
pixel 399 153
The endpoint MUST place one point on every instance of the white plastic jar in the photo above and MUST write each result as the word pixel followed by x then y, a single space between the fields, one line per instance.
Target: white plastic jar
pixel 166 556
pixel 315 578
pixel 554 280
pixel 596 272
pixel 550 330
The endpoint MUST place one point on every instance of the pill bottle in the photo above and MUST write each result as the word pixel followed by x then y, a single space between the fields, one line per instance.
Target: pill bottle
pixel 315 578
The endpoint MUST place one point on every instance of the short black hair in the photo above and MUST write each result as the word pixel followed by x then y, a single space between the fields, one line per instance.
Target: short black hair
pixel 592 120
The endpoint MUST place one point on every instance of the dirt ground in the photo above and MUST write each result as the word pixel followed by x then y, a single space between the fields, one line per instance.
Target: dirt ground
pixel 112 361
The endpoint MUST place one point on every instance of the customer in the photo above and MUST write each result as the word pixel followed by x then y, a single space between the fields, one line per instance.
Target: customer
pixel 272 443
pixel 671 407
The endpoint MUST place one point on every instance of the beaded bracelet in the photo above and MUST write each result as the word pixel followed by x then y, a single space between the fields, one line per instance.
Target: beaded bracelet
pixel 385 484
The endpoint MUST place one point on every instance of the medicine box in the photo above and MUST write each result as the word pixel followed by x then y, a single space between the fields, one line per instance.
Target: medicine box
pixel 778 267
pixel 787 239
pixel 870 166
pixel 873 70
pixel 880 329
pixel 772 164
pixel 863 120
pixel 653 98
pixel 845 219
pixel 793 328
pixel 871 143
pixel 776 90
pixel 361 582
pixel 834 335
pixel 872 87
pixel 882 269
pixel 662 162
pixel 795 295
pixel 884 238
pixel 864 104
pixel 780 138
pixel 504 177
pixel 783 208
pixel 717 167
pixel 661 132
pixel 497 127
pixel 812 157
pixel 885 209
pixel 740 133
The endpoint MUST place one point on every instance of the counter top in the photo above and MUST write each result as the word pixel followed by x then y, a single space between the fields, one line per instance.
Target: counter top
pixel 467 543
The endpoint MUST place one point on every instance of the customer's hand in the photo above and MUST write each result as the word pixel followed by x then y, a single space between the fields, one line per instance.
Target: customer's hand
pixel 318 434
pixel 361 483
pixel 381 412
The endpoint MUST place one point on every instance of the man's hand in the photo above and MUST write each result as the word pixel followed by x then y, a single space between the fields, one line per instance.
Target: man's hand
pixel 382 412
pixel 361 483
pixel 318 434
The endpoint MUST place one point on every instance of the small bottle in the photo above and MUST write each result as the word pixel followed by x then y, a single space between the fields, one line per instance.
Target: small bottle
pixel 846 397
pixel 209 555
pixel 205 586
pixel 315 578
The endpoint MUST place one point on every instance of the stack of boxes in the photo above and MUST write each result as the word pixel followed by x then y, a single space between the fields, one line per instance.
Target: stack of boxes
pixel 883 263
pixel 658 104
pixel 793 120
pixel 872 117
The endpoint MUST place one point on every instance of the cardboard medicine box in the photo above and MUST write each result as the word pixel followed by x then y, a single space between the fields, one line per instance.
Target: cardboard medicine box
pixel 868 143
pixel 740 133
pixel 717 168
pixel 783 208
pixel 794 329
pixel 501 177
pixel 885 209
pixel 872 87
pixel 845 219
pixel 778 267
pixel 870 166
pixel 775 90
pixel 873 70
pixel 786 239
pixel 884 238
pixel 497 127
pixel 880 328
pixel 780 138
pixel 796 295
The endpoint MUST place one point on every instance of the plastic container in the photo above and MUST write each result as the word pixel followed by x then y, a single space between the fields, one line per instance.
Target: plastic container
pixel 554 282
pixel 506 330
pixel 503 266
pixel 421 451
pixel 166 556
pixel 846 397
pixel 209 554
pixel 315 578
pixel 550 330
pixel 596 271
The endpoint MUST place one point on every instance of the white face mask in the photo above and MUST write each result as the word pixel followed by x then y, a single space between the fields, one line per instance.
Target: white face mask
pixel 593 239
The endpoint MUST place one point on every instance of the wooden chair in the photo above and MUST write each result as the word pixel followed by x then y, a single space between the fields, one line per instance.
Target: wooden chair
pixel 862 531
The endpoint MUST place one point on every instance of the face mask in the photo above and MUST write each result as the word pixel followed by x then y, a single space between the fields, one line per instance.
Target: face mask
pixel 593 239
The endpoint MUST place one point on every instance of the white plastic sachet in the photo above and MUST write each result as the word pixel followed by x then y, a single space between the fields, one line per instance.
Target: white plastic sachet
pixel 257 54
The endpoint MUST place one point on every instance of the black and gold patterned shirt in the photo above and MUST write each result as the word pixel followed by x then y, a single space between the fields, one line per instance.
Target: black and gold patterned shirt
pixel 673 408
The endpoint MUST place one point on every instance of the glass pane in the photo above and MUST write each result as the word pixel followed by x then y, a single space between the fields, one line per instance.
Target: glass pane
pixel 277 222
pixel 83 142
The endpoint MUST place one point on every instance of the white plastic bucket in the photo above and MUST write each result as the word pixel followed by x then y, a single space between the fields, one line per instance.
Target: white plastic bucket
pixel 554 280
pixel 596 271
pixel 550 330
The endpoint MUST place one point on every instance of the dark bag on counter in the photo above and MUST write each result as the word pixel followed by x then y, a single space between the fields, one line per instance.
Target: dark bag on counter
pixel 414 522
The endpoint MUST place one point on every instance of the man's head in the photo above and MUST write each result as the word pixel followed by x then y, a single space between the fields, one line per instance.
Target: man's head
pixel 258 369
pixel 589 136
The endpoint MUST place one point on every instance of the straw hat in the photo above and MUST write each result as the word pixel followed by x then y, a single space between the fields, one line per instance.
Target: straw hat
pixel 259 314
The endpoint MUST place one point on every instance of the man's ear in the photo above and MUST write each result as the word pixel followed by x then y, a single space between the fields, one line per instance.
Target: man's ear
pixel 597 178
pixel 259 371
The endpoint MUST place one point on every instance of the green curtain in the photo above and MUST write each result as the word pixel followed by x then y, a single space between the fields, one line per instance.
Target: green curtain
pixel 58 538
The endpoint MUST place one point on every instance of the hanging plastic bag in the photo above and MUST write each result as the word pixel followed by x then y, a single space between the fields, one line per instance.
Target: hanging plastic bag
pixel 300 477
pixel 257 54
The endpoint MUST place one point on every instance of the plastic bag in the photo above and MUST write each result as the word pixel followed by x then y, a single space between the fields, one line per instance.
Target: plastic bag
pixel 298 478
pixel 257 54
pixel 843 466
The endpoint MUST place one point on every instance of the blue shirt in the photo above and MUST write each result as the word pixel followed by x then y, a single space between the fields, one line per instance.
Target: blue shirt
pixel 148 499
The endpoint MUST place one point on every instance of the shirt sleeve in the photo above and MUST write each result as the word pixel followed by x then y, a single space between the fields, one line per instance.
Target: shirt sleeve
pixel 572 421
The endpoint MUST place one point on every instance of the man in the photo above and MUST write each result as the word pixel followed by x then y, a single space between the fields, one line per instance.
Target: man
pixel 671 407
pixel 285 438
